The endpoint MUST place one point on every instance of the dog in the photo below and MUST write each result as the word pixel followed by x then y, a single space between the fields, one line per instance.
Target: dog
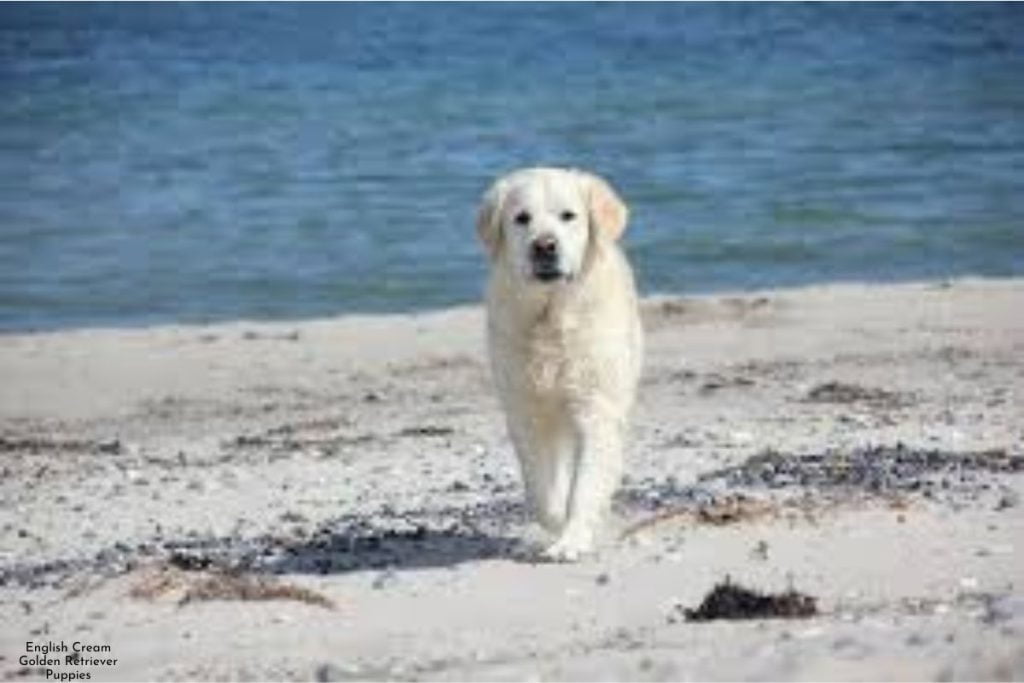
pixel 565 342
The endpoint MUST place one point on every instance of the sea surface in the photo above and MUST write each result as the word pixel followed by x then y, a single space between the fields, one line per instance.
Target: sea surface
pixel 196 162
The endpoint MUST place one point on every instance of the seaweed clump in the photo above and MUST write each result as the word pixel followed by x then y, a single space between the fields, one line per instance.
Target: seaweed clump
pixel 728 600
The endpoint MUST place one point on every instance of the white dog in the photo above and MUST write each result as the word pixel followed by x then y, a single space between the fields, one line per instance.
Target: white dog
pixel 565 340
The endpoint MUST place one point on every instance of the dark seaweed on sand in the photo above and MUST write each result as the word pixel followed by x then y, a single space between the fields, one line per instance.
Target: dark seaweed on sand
pixel 728 600
pixel 874 468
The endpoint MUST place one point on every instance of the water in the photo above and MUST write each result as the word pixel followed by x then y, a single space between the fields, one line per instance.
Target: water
pixel 195 162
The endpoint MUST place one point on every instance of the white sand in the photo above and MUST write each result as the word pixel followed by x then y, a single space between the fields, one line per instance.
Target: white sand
pixel 255 436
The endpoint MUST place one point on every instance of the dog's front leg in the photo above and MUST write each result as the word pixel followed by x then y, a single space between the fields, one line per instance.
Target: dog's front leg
pixel 596 475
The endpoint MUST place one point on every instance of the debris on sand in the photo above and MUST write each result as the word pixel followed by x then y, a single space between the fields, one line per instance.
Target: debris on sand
pixel 877 469
pixel 844 393
pixel 386 537
pixel 44 446
pixel 715 512
pixel 728 600
pixel 426 430
pixel 185 586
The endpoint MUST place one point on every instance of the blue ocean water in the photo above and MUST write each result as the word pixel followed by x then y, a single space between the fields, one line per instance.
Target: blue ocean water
pixel 193 162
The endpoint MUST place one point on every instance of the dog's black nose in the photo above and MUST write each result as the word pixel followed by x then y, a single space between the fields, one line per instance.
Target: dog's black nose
pixel 544 248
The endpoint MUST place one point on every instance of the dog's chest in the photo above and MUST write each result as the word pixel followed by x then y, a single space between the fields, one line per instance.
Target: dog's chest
pixel 557 357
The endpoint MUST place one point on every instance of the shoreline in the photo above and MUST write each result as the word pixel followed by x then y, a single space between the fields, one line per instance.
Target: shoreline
pixel 319 499
pixel 648 297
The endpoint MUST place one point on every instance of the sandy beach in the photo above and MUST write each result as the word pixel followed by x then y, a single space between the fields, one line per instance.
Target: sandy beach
pixel 337 500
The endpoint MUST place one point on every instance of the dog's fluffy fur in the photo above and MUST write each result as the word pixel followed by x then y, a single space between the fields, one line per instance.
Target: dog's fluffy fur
pixel 565 342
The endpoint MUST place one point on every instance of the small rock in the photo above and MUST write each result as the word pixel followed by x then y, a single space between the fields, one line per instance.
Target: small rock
pixel 385 579
pixel 330 672
pixel 295 517
pixel 110 446
pixel 915 639
pixel 1008 499
pixel 1003 609
pixel 602 579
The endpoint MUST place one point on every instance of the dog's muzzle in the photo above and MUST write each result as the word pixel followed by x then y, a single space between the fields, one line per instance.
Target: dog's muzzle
pixel 545 260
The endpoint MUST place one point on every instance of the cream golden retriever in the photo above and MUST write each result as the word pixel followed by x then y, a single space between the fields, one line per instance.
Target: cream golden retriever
pixel 565 342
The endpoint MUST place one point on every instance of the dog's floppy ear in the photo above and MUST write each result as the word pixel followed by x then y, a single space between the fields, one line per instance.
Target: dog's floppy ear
pixel 607 211
pixel 488 218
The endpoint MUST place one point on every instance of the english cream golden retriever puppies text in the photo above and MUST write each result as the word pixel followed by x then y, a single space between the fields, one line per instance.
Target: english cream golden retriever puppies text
pixel 565 342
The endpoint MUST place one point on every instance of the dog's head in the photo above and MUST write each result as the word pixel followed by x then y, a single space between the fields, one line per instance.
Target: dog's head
pixel 545 220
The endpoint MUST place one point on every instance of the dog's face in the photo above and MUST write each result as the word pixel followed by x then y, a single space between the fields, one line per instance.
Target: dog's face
pixel 542 220
pixel 546 226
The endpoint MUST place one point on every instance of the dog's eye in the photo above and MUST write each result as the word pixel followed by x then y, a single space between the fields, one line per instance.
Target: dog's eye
pixel 523 218
pixel 568 216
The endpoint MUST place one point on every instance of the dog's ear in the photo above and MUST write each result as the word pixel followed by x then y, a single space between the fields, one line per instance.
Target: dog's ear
pixel 607 211
pixel 488 218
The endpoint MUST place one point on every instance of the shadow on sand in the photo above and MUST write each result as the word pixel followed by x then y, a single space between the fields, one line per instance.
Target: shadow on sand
pixel 386 539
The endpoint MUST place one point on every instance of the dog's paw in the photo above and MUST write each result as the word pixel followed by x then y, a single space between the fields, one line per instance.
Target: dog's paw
pixel 568 548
